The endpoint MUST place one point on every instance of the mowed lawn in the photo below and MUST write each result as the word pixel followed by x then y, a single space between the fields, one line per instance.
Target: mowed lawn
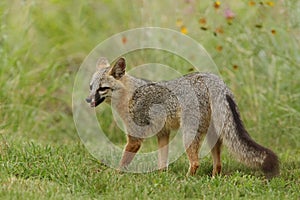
pixel 255 44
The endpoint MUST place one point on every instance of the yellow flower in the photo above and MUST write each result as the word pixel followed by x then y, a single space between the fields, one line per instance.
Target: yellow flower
pixel 270 3
pixel 217 4
pixel 183 30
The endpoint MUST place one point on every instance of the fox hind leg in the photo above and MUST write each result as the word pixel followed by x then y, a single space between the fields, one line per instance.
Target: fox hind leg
pixel 216 156
pixel 163 149
pixel 215 143
pixel 192 152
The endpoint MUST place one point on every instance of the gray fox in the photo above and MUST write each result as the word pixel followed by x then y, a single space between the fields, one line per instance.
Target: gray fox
pixel 212 110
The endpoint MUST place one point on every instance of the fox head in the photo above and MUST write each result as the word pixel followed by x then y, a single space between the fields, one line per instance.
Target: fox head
pixel 105 80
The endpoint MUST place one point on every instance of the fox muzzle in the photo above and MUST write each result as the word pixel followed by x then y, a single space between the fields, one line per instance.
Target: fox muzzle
pixel 94 101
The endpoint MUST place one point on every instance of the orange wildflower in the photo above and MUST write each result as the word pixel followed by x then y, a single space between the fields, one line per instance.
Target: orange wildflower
pixel 273 31
pixel 252 3
pixel 124 40
pixel 219 30
pixel 202 21
pixel 219 48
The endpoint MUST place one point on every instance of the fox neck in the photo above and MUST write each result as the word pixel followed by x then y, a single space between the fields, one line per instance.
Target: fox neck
pixel 131 83
pixel 120 98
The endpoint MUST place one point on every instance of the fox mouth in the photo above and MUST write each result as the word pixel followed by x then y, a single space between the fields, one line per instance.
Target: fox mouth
pixel 94 102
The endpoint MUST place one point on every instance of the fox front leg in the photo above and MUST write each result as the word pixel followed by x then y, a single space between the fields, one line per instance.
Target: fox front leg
pixel 131 148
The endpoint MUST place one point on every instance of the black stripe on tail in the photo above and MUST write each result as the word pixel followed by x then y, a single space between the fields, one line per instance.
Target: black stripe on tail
pixel 236 116
pixel 270 166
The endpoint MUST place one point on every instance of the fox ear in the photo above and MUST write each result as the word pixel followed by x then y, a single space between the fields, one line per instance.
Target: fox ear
pixel 102 63
pixel 118 70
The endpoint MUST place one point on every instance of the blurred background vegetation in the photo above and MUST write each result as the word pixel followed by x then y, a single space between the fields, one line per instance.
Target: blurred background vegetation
pixel 255 44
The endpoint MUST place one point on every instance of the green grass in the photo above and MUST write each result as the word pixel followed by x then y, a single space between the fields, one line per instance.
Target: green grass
pixel 42 45
pixel 66 172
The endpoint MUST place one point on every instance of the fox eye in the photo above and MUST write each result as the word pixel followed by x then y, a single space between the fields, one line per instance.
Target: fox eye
pixel 101 89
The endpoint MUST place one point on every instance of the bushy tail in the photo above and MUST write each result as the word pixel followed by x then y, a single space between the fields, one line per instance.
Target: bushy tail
pixel 239 142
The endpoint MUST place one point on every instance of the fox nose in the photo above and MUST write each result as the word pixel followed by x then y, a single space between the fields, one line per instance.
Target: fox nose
pixel 88 100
